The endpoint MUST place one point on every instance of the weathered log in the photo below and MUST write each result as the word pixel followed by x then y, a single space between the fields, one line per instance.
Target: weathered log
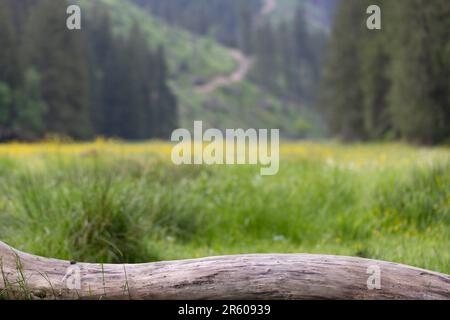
pixel 264 276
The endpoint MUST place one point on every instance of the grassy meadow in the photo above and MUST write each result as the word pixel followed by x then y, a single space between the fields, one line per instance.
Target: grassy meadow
pixel 113 202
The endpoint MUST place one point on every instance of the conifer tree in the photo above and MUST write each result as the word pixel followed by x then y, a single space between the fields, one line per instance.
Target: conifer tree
pixel 59 57
pixel 342 96
pixel 375 60
pixel 420 76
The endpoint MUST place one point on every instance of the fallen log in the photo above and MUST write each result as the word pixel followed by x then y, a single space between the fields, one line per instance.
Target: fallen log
pixel 259 276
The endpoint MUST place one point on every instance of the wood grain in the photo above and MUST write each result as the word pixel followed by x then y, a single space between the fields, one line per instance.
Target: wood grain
pixel 265 276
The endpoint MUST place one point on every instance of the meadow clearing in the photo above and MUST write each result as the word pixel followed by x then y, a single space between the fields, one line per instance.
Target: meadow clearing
pixel 113 202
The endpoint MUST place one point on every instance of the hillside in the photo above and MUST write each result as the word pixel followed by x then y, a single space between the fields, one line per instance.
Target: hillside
pixel 194 60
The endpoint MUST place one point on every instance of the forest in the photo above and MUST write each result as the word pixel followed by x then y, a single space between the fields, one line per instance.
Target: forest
pixel 79 84
pixel 393 83
pixel 365 84
pixel 361 84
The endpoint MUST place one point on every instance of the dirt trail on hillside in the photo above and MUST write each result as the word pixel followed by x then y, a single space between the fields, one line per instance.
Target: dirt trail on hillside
pixel 244 62
pixel 244 65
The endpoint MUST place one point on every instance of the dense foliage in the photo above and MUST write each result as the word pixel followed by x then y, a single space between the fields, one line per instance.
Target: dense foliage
pixel 394 82
pixel 287 51
pixel 111 78
pixel 78 83
pixel 227 21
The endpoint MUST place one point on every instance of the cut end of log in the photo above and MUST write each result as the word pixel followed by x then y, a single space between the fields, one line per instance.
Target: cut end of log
pixel 255 277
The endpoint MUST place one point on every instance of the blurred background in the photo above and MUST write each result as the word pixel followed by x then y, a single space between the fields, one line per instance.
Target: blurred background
pixel 85 115
pixel 140 68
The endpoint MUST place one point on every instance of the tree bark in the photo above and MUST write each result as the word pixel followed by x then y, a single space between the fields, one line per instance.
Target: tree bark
pixel 264 276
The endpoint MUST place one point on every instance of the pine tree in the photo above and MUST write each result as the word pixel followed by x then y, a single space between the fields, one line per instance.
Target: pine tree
pixel 420 76
pixel 10 72
pixel 301 53
pixel 164 103
pixel 266 54
pixel 28 123
pixel 100 44
pixel 19 12
pixel 342 96
pixel 59 57
pixel 6 99
pixel 375 61
pixel 285 44
pixel 136 85
pixel 245 21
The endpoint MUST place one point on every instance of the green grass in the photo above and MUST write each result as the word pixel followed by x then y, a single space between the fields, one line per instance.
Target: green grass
pixel 107 207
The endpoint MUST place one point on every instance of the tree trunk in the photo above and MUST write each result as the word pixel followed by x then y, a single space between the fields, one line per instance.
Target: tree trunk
pixel 265 276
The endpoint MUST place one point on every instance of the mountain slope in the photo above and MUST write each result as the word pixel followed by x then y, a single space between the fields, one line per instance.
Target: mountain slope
pixel 194 60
